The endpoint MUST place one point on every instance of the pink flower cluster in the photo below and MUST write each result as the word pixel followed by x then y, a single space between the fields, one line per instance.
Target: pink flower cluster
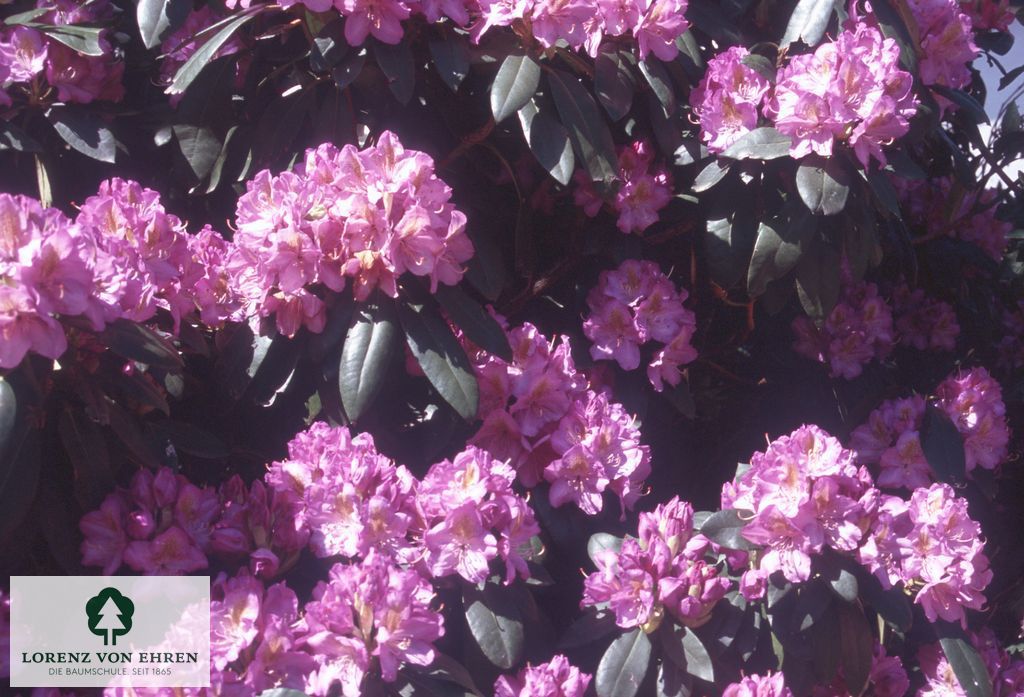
pixel 1007 674
pixel 891 436
pixel 164 524
pixel 368 215
pixel 371 611
pixel 655 24
pixel 472 516
pixel 802 493
pixel 663 569
pixel 35 62
pixel 850 89
pixel 644 189
pixel 858 330
pixel 539 415
pixel 254 637
pixel 728 99
pixel 767 685
pixel 947 42
pixel 636 304
pixel 926 204
pixel 459 518
pixel 123 256
pixel 988 14
pixel 930 544
pixel 556 678
pixel 923 322
pixel 805 491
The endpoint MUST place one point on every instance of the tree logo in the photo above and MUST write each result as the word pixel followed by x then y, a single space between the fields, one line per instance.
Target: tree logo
pixel 110 615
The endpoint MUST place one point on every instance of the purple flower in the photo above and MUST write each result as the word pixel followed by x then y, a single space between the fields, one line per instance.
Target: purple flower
pixel 556 678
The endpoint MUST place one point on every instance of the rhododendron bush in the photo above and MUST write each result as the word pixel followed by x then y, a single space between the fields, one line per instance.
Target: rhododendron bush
pixel 530 348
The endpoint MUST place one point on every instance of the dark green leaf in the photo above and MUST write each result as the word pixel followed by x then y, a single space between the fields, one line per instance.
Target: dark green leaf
pixel 624 665
pixel 808 22
pixel 448 669
pixel 19 477
pixel 451 60
pixel 495 623
pixel 857 648
pixel 240 359
pixel 764 143
pixel 672 681
pixel 201 116
pixel 203 56
pixel 159 18
pixel 998 42
pixel 192 439
pixel 883 190
pixel 592 625
pixel 370 345
pixel 24 17
pixel 943 446
pixel 399 67
pixel 684 648
pixel 588 131
pixel 479 326
pixel 658 78
pixel 84 131
pixel 349 69
pixel 513 86
pixel 441 357
pixel 8 414
pixel 84 40
pixel 86 448
pixel 548 141
pixel 137 342
pixel 14 138
pixel 823 184
pixel 761 65
pixel 963 100
pixel 891 604
pixel 844 585
pixel 894 26
pixel 780 243
pixel 1010 76
pixel 601 541
pixel 614 82
pixel 903 166
pixel 817 279
pixel 136 446
pixel 826 644
pixel 713 173
pixel 967 664
pixel 725 528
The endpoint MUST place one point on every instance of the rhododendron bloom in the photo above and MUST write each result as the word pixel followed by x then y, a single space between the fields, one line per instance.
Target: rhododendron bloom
pixel 644 189
pixel 728 99
pixel 556 678
pixel 768 685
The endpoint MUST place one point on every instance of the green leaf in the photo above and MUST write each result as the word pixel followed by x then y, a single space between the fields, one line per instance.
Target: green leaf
pixel 967 665
pixel 601 541
pixel 963 100
pixel 713 173
pixel 513 86
pixel 614 82
pixel 943 446
pixel 624 665
pixel 658 78
pixel 808 22
pixel 857 648
pixel 24 17
pixel 240 359
pixel 548 141
pixel 87 450
pixel 777 250
pixel 349 69
pixel 495 623
pixel 725 528
pixel 672 682
pixel 19 475
pixel 441 357
pixel 14 138
pixel 594 624
pixel 192 439
pixel 844 585
pixel 479 326
pixel 397 63
pixel 588 131
pixel 817 279
pixel 451 60
pixel 203 56
pixel 137 342
pixel 159 18
pixel 891 604
pixel 8 414
pixel 84 40
pixel 201 115
pixel 446 668
pixel 894 26
pixel 764 143
pixel 370 345
pixel 84 131
pixel 684 648
pixel 823 184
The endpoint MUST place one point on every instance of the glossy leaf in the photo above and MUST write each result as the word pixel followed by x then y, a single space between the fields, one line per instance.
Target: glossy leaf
pixel 591 139
pixel 684 648
pixel 817 279
pixel 479 326
pixel 548 141
pixel 725 528
pixel 138 342
pixel 441 357
pixel 624 665
pixel 203 56
pixel 943 446
pixel 370 345
pixel 823 185
pixel 157 19
pixel 713 173
pixel 614 81
pixel 513 86
pixel 8 413
pixel 808 22
pixel 84 131
pixel 857 647
pixel 84 40
pixel 87 450
pixel 780 243
pixel 396 61
pixel 965 661
pixel 601 541
pixel 495 623
pixel 451 60
pixel 764 143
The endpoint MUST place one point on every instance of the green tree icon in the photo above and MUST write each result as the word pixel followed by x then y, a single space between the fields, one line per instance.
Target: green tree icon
pixel 110 615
